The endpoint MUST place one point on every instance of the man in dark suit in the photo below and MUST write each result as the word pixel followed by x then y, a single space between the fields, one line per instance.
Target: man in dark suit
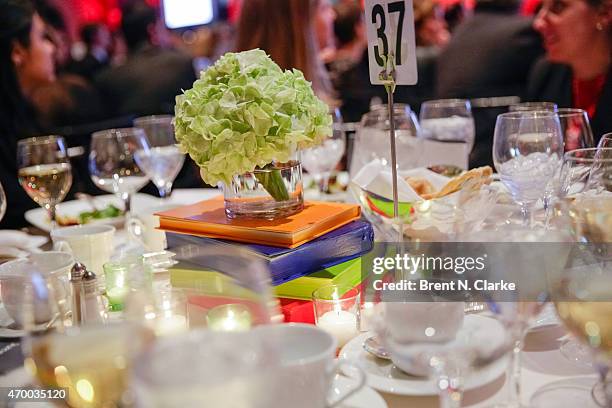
pixel 490 54
pixel 152 76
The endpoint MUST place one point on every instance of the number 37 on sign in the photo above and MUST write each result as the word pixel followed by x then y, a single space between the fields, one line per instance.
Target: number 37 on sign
pixel 390 30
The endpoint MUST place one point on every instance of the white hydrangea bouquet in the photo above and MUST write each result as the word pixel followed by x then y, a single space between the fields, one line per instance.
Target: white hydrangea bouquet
pixel 246 113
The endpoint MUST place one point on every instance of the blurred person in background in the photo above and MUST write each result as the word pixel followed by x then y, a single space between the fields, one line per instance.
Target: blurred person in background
pixel 71 99
pixel 576 71
pixel 349 65
pixel 489 55
pixel 285 30
pixel 324 29
pixel 152 75
pixel 98 42
pixel 26 63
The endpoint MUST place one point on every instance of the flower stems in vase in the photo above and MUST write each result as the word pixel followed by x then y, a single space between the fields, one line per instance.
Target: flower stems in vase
pixel 272 181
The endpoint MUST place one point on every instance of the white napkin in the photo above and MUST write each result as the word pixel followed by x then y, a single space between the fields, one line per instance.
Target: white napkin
pixel 17 244
pixel 377 178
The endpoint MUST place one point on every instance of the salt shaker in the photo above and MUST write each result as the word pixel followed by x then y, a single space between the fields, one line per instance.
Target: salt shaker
pixel 76 285
pixel 92 307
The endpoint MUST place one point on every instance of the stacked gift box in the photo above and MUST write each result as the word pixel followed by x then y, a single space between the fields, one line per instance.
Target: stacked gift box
pixel 319 246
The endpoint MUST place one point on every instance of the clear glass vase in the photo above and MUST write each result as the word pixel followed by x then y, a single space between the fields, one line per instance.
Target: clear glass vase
pixel 271 192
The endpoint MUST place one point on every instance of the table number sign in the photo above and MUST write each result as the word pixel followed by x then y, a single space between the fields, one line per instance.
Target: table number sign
pixel 390 31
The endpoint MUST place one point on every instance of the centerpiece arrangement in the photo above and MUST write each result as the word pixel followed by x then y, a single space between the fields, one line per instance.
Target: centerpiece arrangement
pixel 243 122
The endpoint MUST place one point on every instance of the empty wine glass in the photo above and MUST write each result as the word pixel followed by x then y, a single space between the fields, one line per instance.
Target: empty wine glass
pixel 605 141
pixel 321 160
pixel 448 120
pixel 44 171
pixel 112 163
pixel 533 106
pixel 581 293
pixel 577 133
pixel 527 151
pixel 372 138
pixel 586 172
pixel 162 160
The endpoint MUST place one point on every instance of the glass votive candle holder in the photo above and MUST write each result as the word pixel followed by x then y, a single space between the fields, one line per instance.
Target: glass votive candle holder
pixel 336 310
pixel 163 310
pixel 116 284
pixel 229 318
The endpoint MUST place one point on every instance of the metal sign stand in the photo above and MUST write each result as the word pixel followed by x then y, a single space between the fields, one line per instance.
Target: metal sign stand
pixel 388 78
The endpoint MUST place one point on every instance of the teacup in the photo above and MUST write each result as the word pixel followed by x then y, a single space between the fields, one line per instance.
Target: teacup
pixel 306 369
pixel 91 245
pixel 13 278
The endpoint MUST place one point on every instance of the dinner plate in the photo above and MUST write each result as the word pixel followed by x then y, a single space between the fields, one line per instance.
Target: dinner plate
pixel 364 398
pixel 38 217
pixel 383 375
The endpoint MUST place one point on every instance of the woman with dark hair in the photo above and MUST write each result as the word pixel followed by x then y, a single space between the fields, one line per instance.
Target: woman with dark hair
pixel 285 29
pixel 26 62
pixel 577 71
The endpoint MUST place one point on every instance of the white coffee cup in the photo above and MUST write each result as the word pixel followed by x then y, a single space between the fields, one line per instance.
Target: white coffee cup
pixel 91 245
pixel 307 368
pixel 53 266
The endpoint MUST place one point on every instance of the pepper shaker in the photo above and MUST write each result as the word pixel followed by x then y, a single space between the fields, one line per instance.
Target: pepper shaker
pixel 76 285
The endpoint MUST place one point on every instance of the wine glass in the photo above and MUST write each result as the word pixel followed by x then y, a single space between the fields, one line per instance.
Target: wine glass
pixel 586 172
pixel 162 160
pixel 527 151
pixel 576 128
pixel 372 138
pixel 533 106
pixel 321 160
pixel 581 293
pixel 522 255
pixel 448 120
pixel 112 163
pixel 605 141
pixel 44 171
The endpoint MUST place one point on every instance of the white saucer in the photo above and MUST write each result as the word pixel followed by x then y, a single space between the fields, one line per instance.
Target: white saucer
pixel 364 398
pixel 383 375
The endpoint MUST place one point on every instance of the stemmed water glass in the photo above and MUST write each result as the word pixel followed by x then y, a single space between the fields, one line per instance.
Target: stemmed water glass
pixel 576 128
pixel 321 160
pixel 112 164
pixel 448 120
pixel 586 172
pixel 527 151
pixel 161 160
pixel 581 294
pixel 44 171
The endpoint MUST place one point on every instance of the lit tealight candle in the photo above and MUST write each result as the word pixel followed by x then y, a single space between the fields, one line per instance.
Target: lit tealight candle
pixel 340 324
pixel 229 318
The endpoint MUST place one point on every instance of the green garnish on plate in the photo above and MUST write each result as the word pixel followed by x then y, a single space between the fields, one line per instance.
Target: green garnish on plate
pixel 108 212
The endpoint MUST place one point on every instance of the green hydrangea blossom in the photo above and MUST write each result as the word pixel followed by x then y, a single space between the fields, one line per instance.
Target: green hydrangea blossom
pixel 246 112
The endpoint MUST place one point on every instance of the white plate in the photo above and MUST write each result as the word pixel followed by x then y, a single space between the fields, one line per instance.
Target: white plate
pixel 38 217
pixel 364 398
pixel 383 375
